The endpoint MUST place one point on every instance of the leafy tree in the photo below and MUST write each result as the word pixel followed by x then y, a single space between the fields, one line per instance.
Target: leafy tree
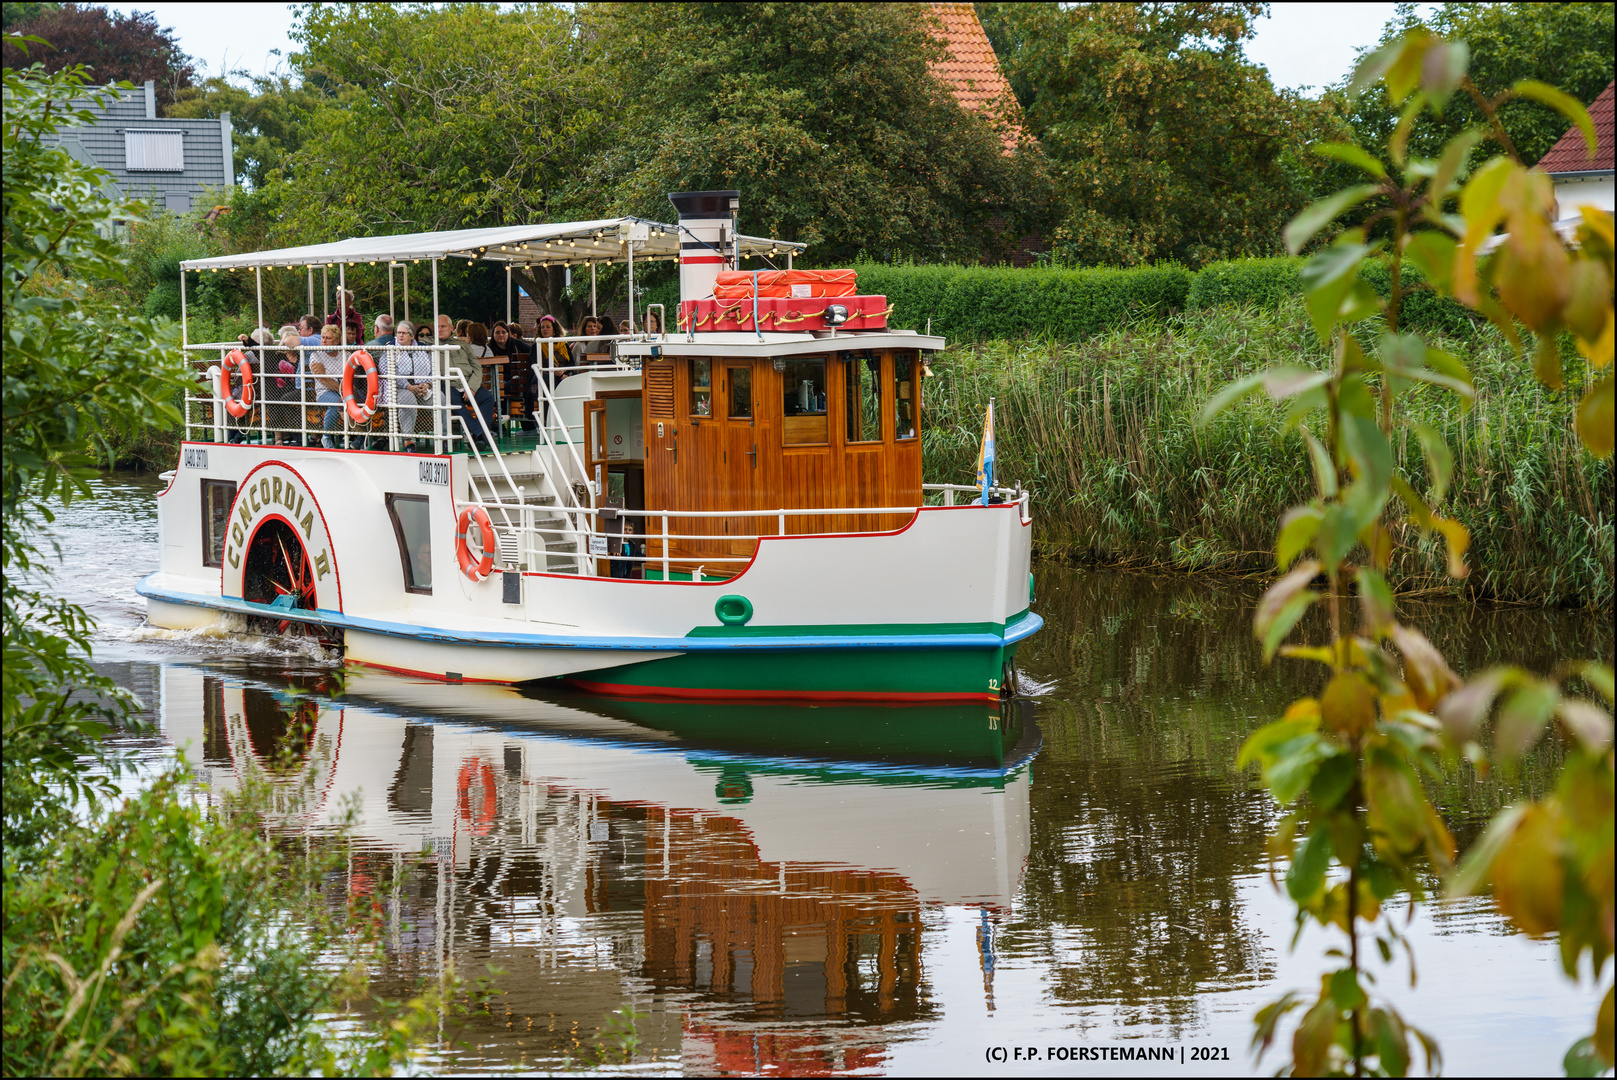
pixel 1569 45
pixel 1167 142
pixel 268 118
pixel 821 115
pixel 114 46
pixel 1346 764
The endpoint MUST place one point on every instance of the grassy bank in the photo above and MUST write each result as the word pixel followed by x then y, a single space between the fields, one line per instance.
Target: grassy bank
pixel 1102 432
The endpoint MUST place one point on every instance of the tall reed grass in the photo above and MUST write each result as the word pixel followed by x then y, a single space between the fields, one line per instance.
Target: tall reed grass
pixel 1102 431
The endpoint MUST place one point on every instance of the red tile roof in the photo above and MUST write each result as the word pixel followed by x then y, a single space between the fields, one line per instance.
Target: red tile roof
pixel 972 71
pixel 1571 153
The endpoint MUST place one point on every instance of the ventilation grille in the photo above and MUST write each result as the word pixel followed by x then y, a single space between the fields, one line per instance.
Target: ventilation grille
pixel 660 390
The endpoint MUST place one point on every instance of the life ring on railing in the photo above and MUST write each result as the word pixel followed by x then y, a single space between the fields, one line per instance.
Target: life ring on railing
pixel 477 770
pixel 475 568
pixel 359 414
pixel 234 406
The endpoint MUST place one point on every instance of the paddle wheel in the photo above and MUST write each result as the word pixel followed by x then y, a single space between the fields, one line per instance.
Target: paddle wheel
pixel 279 574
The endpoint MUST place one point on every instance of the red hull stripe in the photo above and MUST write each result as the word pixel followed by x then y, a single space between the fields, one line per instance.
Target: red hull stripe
pixel 421 674
pixel 716 694
pixel 691 259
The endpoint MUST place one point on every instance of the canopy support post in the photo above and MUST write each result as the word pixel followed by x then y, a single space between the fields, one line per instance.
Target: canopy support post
pixel 508 294
pixel 185 338
pixel 439 414
pixel 629 244
pixel 311 295
pixel 788 260
pixel 592 289
pixel 390 290
pixel 325 292
pixel 342 301
pixel 263 410
pixel 406 292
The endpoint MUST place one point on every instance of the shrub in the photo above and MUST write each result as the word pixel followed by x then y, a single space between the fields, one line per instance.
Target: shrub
pixel 1260 282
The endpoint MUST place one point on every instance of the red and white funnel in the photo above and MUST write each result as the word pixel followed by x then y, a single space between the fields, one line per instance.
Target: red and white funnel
pixel 707 239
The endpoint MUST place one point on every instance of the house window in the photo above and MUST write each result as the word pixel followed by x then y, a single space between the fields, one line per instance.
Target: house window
pixel 217 498
pixel 177 202
pixel 154 151
pixel 414 534
pixel 862 386
pixel 905 386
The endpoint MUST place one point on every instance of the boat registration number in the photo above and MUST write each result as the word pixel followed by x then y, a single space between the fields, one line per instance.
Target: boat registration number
pixel 434 472
pixel 195 458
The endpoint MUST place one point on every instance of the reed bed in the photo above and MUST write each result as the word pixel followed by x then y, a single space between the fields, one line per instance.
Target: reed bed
pixel 1102 431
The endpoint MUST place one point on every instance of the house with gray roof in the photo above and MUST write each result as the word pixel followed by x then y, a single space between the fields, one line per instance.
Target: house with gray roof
pixel 167 161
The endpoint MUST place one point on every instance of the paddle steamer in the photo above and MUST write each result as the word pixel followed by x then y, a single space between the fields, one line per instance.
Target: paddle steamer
pixel 728 507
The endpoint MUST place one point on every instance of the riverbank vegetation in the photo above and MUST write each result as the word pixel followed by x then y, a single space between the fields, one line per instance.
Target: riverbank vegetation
pixel 1102 431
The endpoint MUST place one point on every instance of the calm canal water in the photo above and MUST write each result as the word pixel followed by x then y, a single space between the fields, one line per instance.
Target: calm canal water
pixel 898 891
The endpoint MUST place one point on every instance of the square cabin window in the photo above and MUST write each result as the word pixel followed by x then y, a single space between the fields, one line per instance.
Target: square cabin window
pixel 862 393
pixel 217 498
pixel 414 534
pixel 803 402
pixel 701 388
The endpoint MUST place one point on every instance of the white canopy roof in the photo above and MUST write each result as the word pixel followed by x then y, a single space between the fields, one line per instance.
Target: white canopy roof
pixel 564 243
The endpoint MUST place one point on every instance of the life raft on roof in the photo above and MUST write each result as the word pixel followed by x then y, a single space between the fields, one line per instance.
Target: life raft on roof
pixel 785 284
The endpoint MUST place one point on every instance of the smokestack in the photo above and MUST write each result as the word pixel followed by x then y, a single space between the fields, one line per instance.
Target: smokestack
pixel 706 238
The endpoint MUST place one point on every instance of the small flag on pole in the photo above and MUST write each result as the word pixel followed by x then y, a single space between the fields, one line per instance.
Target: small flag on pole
pixel 985 455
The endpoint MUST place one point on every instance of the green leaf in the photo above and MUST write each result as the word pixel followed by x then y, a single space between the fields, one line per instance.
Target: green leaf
pixel 1263 744
pixel 1333 780
pixel 1563 103
pixel 1346 991
pixel 1463 711
pixel 1391 1042
pixel 1284 381
pixel 1228 396
pixel 1597 675
pixel 1303 228
pixel 1337 534
pixel 1450 164
pixel 1442 69
pixel 1305 877
pixel 1406 123
pixel 1277 606
pixel 1326 279
pixel 1353 155
pixel 1324 469
pixel 1297 530
pixel 1439 459
pixel 1293 764
pixel 1582 1059
pixel 1368 451
pixel 1375 600
pixel 1523 716
pixel 1292 610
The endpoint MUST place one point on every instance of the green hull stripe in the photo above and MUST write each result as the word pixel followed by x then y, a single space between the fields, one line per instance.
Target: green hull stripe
pixel 857 629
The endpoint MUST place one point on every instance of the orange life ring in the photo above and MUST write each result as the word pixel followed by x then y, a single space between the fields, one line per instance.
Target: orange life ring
pixel 477 768
pixel 234 406
pixel 359 414
pixel 479 568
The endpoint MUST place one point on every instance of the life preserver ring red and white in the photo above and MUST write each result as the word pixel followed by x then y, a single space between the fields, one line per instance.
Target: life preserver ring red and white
pixel 359 414
pixel 476 770
pixel 481 566
pixel 237 407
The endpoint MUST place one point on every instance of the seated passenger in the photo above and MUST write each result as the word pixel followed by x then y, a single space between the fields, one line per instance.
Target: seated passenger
pixel 654 323
pixel 413 386
pixel 592 326
pixel 326 367
pixel 284 386
pixel 459 357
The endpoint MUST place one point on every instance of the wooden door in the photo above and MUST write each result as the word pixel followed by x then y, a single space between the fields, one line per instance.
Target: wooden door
pixel 739 454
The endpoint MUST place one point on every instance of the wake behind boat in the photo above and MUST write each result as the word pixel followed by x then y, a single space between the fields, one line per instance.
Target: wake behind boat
pixel 731 510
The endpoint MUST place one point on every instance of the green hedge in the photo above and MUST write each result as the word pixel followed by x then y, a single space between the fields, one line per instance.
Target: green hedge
pixel 984 302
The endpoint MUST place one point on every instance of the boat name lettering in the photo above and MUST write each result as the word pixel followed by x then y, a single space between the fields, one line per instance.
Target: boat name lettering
pixel 434 472
pixel 286 500
pixel 194 458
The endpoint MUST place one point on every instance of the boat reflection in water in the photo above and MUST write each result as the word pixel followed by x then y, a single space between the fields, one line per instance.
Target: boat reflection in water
pixel 756 878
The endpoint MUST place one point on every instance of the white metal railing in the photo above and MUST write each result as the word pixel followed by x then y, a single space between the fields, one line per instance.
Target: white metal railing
pixel 588 535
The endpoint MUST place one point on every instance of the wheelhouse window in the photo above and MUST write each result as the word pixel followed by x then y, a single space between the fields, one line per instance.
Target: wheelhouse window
pixel 701 388
pixel 412 530
pixel 217 498
pixel 905 369
pixel 803 402
pixel 862 394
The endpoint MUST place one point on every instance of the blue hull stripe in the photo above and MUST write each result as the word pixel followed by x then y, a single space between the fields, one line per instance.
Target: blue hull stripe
pixel 1024 626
